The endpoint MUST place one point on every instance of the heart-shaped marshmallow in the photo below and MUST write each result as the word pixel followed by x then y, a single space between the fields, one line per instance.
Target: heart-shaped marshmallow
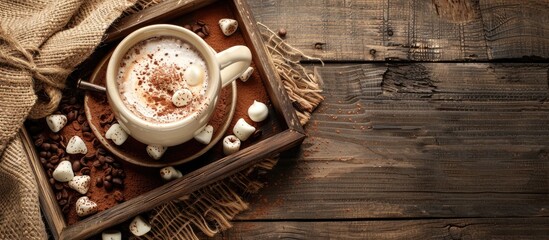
pixel 182 97
pixel 139 226
pixel 205 136
pixel 111 235
pixel 246 74
pixel 117 134
pixel 85 207
pixel 56 122
pixel 258 111
pixel 156 151
pixel 231 144
pixel 80 183
pixel 63 172
pixel 170 173
pixel 228 26
pixel 76 145
pixel 243 130
pixel 194 75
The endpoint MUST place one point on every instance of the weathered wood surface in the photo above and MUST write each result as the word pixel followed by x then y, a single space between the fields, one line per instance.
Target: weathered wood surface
pixel 456 143
pixel 436 30
pixel 497 228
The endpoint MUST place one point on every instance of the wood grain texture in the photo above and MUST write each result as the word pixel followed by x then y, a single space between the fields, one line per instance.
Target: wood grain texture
pixel 516 29
pixel 497 228
pixel 379 30
pixel 419 140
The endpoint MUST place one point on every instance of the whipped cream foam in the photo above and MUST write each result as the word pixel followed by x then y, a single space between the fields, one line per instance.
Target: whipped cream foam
pixel 153 70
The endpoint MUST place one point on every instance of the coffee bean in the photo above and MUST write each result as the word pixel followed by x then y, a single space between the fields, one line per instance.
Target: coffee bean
pixel 70 116
pixel 86 127
pixel 187 26
pixel 118 196
pixel 85 171
pixel 81 118
pixel 48 154
pixel 206 30
pixel 109 159
pixel 43 154
pixel 107 185
pixel 282 32
pixel 116 172
pixel 98 181
pixel 117 164
pixel 58 186
pixel 43 161
pixel 46 146
pixel 106 127
pixel 200 22
pixel 83 162
pixel 76 166
pixel 108 171
pixel 50 165
pixel 65 209
pixel 101 151
pixel 54 159
pixel 54 147
pixel 97 165
pixel 72 100
pixel 196 28
pixel 101 159
pixel 117 182
pixel 88 136
pixel 108 178
pixel 50 172
pixel 96 143
pixel 60 152
pixel 106 118
pixel 65 159
pixel 58 196
pixel 52 181
pixel 64 194
pixel 201 34
pixel 76 126
pixel 54 136
pixel 67 109
pixel 256 134
pixel 63 202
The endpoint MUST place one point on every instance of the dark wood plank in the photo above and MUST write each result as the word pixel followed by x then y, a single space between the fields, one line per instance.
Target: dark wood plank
pixel 516 29
pixel 379 30
pixel 419 140
pixel 498 228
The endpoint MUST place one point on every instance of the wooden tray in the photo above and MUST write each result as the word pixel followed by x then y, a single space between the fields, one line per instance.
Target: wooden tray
pixel 291 135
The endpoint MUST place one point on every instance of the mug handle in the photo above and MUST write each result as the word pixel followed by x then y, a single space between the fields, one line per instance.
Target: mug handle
pixel 233 61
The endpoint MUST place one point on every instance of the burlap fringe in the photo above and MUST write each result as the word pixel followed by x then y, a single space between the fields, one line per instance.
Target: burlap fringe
pixel 303 87
pixel 211 208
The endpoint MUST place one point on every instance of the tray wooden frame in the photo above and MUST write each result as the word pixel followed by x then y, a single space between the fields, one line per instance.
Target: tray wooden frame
pixel 292 136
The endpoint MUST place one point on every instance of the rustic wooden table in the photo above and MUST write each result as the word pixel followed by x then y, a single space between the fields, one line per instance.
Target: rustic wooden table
pixel 435 123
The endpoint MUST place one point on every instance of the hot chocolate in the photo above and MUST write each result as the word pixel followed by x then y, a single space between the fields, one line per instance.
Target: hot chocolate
pixel 155 73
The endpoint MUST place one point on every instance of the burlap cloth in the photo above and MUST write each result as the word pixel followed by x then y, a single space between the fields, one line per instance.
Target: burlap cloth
pixel 41 43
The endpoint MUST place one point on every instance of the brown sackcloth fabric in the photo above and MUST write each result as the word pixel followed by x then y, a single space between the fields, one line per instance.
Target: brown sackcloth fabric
pixel 41 42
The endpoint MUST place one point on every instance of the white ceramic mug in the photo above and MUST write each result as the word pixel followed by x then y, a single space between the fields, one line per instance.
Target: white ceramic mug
pixel 223 68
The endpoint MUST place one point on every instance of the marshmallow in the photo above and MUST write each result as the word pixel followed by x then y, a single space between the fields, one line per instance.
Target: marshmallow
pixel 170 173
pixel 194 75
pixel 228 26
pixel 80 183
pixel 231 144
pixel 246 74
pixel 243 130
pixel 85 207
pixel 111 235
pixel 182 97
pixel 117 134
pixel 63 172
pixel 258 111
pixel 76 145
pixel 156 151
pixel 56 122
pixel 205 136
pixel 139 226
